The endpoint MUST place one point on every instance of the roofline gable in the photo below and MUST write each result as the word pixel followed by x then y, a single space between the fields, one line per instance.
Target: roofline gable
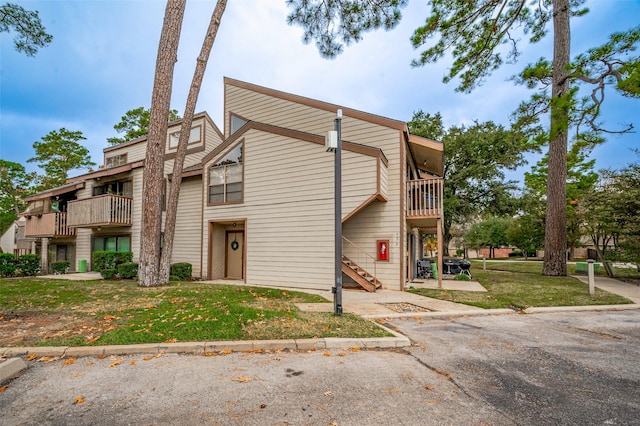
pixel 326 106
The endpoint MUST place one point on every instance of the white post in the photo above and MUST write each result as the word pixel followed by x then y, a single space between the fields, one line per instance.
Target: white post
pixel 592 290
pixel 484 262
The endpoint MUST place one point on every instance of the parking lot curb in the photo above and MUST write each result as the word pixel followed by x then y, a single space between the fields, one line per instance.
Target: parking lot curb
pixel 10 368
pixel 206 348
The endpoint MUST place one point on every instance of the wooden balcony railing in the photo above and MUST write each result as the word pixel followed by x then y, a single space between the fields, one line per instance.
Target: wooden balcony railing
pixel 424 198
pixel 103 210
pixel 48 225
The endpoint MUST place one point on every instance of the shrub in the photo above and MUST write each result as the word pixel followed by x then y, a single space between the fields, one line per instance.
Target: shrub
pixel 462 277
pixel 109 259
pixel 8 265
pixel 60 267
pixel 29 264
pixel 128 270
pixel 182 271
pixel 515 254
pixel 123 257
pixel 109 274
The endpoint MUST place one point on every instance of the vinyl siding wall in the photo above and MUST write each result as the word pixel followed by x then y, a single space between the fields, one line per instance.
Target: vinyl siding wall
pixel 380 220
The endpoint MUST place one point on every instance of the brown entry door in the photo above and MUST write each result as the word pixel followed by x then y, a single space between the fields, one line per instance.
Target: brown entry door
pixel 234 254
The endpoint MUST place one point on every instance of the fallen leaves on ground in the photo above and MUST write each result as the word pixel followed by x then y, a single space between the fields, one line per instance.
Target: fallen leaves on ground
pixel 32 357
pixel 133 363
pixel 327 393
pixel 115 363
pixel 48 359
pixel 79 400
pixel 3 388
pixel 241 379
pixel 69 361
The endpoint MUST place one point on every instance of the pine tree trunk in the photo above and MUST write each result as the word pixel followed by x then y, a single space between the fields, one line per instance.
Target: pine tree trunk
pixel 153 178
pixel 555 261
pixel 185 130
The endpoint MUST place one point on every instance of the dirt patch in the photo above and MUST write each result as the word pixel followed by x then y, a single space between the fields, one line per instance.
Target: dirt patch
pixel 31 328
pixel 405 307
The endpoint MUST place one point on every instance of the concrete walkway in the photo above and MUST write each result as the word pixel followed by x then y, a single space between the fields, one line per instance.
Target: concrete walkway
pixel 621 288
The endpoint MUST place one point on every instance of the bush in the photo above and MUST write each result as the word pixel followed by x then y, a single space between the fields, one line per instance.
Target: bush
pixel 462 277
pixel 515 254
pixel 109 259
pixel 60 267
pixel 128 270
pixel 29 264
pixel 181 270
pixel 109 274
pixel 8 265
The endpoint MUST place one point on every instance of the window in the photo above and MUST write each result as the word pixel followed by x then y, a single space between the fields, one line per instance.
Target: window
pixel 236 123
pixel 112 243
pixel 225 178
pixel 116 160
pixel 122 188
pixel 194 136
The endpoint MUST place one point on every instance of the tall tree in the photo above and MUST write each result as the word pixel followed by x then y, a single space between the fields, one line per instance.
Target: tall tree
pixel 15 184
pixel 150 234
pixel 475 33
pixel 57 153
pixel 475 159
pixel 135 124
pixel 579 183
pixel 31 33
pixel 192 98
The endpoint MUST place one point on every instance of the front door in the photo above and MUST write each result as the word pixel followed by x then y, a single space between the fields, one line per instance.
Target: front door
pixel 234 254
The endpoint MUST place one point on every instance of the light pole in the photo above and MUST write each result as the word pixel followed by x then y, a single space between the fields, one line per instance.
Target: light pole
pixel 337 290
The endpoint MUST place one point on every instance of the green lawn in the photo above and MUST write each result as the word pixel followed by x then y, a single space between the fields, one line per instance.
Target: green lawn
pixel 521 285
pixel 119 312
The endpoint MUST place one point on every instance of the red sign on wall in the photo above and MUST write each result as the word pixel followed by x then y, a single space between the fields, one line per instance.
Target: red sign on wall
pixel 383 250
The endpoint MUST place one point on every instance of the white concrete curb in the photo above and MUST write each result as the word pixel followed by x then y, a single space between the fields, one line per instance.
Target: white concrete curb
pixel 10 367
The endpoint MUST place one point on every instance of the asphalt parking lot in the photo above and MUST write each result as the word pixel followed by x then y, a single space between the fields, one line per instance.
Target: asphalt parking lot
pixel 555 368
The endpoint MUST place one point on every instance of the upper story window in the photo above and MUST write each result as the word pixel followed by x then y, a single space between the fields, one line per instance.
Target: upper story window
pixel 194 136
pixel 225 178
pixel 122 188
pixel 236 123
pixel 116 160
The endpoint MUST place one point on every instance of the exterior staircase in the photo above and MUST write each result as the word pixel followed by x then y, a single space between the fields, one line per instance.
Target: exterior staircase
pixel 359 275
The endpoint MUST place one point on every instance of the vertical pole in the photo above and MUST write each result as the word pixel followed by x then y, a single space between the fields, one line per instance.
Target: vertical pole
pixel 440 251
pixel 337 290
pixel 592 290
pixel 484 262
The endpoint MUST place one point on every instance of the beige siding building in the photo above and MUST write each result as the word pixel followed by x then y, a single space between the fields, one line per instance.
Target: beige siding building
pixel 257 201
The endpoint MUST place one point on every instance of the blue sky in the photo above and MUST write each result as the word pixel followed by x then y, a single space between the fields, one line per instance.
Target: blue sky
pixel 102 60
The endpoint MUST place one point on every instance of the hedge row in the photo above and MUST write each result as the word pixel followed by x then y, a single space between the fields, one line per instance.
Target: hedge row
pixel 101 260
pixel 15 266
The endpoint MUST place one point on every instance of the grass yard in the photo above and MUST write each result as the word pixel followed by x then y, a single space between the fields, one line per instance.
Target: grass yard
pixel 521 285
pixel 44 312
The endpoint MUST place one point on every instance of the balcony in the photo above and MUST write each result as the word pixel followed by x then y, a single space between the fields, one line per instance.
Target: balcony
pixel 49 225
pixel 103 210
pixel 424 202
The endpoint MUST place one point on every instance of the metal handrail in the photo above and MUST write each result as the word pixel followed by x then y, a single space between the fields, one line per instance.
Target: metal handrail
pixel 367 257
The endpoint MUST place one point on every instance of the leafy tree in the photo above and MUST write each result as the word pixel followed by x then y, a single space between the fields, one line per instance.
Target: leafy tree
pixel 333 24
pixel 612 213
pixel 57 154
pixel 31 33
pixel 476 33
pixel 135 124
pixel 490 232
pixel 526 232
pixel 475 158
pixel 15 184
pixel 192 98
pixel 152 181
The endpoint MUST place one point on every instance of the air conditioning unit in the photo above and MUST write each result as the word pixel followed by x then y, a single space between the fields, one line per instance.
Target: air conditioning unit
pixel 331 141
